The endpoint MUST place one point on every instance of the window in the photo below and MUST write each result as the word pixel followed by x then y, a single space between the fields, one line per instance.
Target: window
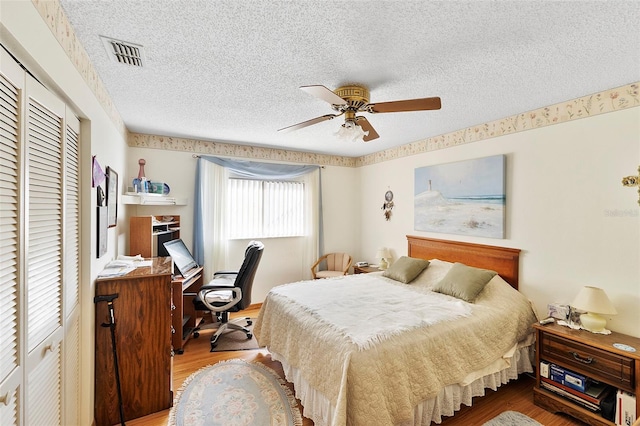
pixel 263 209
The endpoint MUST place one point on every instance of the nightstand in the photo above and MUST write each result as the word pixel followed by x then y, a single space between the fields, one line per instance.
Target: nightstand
pixel 591 355
pixel 365 269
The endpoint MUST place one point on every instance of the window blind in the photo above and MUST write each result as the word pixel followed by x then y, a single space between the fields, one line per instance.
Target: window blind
pixel 263 209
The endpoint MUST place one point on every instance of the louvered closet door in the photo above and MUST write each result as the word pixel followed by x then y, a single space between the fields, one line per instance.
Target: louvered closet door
pixel 44 255
pixel 11 84
pixel 71 272
pixel 39 253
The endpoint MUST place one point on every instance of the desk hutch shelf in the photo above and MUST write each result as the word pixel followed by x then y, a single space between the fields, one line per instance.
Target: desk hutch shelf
pixel 147 233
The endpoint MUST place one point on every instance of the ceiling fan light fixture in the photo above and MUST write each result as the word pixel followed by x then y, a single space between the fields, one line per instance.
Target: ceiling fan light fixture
pixel 350 131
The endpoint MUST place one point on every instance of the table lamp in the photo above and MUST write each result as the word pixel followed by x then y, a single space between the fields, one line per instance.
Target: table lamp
pixel 383 255
pixel 595 302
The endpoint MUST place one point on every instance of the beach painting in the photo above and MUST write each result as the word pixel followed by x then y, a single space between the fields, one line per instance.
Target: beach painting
pixel 464 197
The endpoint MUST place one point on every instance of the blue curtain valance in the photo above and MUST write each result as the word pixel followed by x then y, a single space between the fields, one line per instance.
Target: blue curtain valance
pixel 256 170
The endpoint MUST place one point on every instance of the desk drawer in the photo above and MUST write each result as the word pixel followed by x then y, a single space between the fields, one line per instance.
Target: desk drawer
pixel 598 364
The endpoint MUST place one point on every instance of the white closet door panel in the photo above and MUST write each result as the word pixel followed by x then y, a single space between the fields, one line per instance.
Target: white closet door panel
pixel 10 87
pixel 9 408
pixel 44 385
pixel 71 369
pixel 71 266
pixel 45 139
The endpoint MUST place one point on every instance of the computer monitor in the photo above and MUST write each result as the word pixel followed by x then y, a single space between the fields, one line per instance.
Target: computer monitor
pixel 183 261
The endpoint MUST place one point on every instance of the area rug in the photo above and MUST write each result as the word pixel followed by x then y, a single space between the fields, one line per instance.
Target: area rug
pixel 511 418
pixel 235 393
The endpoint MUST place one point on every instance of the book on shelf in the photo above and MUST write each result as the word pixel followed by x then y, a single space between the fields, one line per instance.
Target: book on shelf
pixel 554 387
pixel 595 391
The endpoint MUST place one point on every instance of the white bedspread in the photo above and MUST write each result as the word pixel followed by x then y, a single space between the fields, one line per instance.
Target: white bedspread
pixel 380 311
pixel 374 373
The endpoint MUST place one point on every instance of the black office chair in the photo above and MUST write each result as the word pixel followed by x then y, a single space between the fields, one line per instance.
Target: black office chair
pixel 230 291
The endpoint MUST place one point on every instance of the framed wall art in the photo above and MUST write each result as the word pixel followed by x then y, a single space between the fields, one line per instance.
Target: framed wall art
pixel 112 197
pixel 464 197
pixel 102 231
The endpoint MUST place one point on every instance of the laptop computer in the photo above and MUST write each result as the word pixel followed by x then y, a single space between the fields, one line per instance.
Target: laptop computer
pixel 183 262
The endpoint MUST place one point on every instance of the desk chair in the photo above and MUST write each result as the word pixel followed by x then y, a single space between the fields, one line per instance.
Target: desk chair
pixel 230 291
pixel 337 264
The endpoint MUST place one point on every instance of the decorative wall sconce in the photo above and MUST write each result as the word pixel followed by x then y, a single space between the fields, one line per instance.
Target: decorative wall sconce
pixel 387 206
pixel 633 181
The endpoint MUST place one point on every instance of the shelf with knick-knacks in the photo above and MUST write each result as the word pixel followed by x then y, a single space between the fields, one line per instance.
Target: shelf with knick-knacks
pixel 152 200
pixel 148 192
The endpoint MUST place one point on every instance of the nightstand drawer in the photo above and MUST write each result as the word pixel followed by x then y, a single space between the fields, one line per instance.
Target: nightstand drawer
pixel 598 364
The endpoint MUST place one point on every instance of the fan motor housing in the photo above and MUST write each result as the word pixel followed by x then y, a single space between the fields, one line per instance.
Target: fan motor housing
pixel 356 96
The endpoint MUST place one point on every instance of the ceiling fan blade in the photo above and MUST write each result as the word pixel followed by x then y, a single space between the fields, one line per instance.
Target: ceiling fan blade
pixel 421 104
pixel 309 122
pixel 325 94
pixel 367 127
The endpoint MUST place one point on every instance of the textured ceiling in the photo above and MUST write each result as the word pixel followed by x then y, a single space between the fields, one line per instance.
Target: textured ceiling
pixel 230 70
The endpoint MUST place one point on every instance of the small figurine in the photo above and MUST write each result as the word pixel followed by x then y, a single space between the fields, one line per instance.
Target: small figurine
pixel 141 162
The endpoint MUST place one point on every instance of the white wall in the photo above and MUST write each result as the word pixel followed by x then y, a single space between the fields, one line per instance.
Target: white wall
pixel 566 209
pixel 176 169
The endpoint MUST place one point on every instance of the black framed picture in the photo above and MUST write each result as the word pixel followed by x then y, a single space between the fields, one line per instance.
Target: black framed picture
pixel 102 231
pixel 112 197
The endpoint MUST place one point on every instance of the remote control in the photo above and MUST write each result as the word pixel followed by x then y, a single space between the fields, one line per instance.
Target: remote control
pixel 547 321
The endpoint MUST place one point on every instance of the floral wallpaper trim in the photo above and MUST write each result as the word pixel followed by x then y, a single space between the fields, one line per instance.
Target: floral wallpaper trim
pixel 195 146
pixel 587 106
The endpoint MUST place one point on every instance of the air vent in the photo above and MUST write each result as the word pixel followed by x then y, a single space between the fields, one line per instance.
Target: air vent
pixel 124 52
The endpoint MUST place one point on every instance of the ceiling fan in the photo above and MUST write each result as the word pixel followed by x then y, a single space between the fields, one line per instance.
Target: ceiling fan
pixel 352 99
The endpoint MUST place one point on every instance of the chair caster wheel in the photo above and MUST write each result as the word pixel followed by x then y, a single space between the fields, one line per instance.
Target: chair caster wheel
pixel 249 322
pixel 249 336
pixel 196 335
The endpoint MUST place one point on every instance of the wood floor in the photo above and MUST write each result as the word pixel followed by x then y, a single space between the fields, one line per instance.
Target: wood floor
pixel 516 395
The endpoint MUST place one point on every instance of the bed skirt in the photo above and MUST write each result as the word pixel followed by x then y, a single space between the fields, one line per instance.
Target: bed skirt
pixel 449 400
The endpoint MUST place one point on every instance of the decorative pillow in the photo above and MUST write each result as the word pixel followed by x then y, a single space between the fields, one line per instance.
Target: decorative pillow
pixel 464 282
pixel 433 274
pixel 405 269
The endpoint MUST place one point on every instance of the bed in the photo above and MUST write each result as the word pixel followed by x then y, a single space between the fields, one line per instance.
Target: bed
pixel 368 349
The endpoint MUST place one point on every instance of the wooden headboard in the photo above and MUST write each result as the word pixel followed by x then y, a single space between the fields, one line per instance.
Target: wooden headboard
pixel 505 261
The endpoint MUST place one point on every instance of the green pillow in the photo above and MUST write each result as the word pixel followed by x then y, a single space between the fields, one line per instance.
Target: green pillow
pixel 464 282
pixel 405 269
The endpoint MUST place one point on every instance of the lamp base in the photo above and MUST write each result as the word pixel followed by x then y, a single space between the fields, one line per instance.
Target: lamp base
pixel 383 265
pixel 593 322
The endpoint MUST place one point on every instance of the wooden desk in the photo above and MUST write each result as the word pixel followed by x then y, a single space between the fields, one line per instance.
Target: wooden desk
pixel 142 313
pixel 185 318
